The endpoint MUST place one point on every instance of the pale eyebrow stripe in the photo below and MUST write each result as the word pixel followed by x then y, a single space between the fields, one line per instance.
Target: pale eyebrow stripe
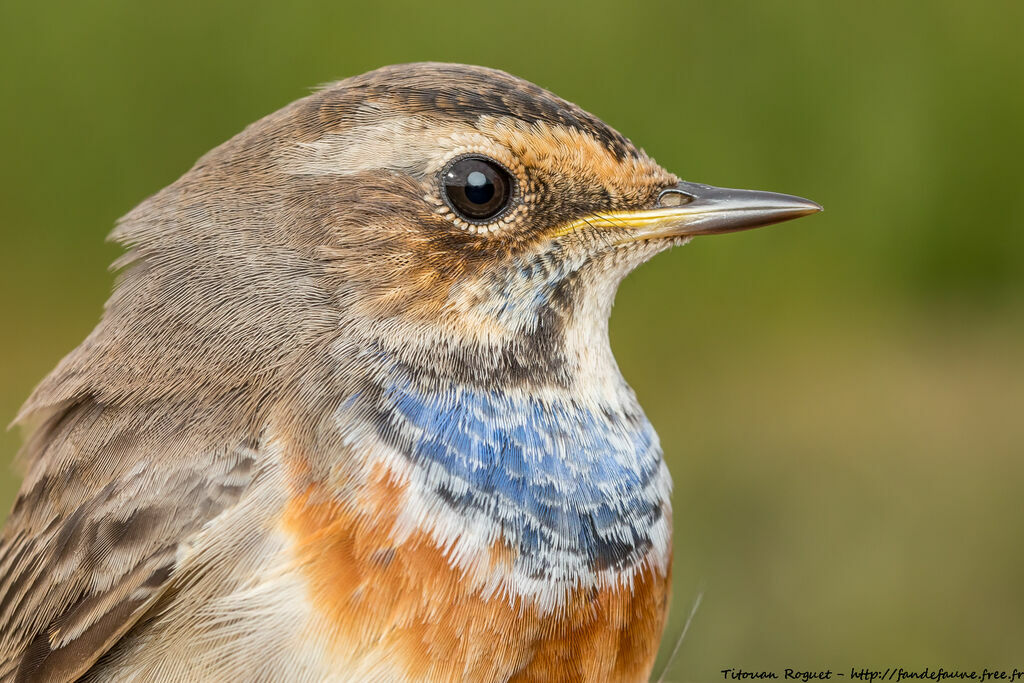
pixel 403 143
pixel 420 145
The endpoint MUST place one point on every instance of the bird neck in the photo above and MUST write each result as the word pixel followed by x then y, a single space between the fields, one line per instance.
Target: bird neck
pixel 511 424
pixel 572 486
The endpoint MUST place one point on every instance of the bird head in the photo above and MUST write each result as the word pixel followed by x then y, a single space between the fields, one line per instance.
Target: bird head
pixel 456 217
pixel 469 209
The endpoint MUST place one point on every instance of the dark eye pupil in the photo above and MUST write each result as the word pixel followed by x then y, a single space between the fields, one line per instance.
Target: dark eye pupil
pixel 477 188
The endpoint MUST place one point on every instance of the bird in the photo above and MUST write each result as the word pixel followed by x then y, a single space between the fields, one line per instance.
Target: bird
pixel 351 411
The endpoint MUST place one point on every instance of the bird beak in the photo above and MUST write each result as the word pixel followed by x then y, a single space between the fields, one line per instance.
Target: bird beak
pixel 690 209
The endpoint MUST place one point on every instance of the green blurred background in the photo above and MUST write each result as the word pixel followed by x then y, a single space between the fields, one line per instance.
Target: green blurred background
pixel 840 398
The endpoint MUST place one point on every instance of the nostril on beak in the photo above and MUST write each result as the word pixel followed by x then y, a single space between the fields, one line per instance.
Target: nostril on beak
pixel 673 197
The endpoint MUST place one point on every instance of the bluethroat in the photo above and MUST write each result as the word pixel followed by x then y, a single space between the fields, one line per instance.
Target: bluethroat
pixel 351 412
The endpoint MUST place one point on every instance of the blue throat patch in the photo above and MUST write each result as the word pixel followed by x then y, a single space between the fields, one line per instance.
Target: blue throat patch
pixel 556 476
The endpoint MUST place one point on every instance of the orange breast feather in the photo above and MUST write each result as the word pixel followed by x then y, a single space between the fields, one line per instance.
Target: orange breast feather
pixel 407 600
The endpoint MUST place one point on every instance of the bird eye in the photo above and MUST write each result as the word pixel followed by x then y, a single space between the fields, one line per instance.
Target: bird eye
pixel 477 188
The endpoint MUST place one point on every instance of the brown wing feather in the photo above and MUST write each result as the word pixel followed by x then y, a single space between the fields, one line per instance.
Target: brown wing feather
pixel 96 531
